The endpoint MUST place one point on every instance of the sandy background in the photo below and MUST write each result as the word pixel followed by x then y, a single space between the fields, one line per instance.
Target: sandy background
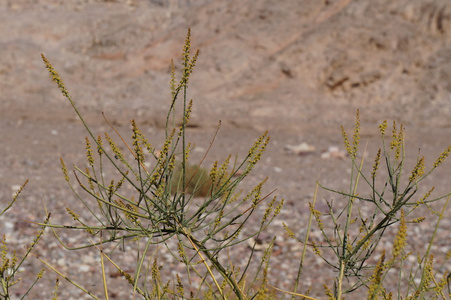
pixel 299 69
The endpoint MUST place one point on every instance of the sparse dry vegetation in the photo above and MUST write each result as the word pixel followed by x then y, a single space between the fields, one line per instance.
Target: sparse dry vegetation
pixel 161 202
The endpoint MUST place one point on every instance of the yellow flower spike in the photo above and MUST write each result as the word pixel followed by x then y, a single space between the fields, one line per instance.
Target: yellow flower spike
pixel 329 293
pixel 181 251
pixel 368 241
pixel 261 140
pixel 225 165
pixel 117 152
pixel 356 136
pixel 419 258
pixel 428 275
pixel 401 237
pixel 315 248
pixel 4 248
pixel 418 171
pixel 188 112
pixel 160 191
pixel 376 164
pixel 376 278
pixel 346 142
pixel 16 195
pixel 90 181
pixel 189 69
pixel 317 215
pixel 222 173
pixel 149 146
pixel 63 167
pixel 155 271
pixel 14 259
pixel 111 189
pixel 278 208
pixel 187 47
pixel 256 151
pixel 218 219
pixel 171 165
pixel 165 150
pixel 120 182
pixel 349 245
pixel 89 156
pixel 137 138
pixel 383 127
pixel 288 230
pixel 214 172
pixel 418 220
pixel 127 277
pixel 55 291
pixel 362 227
pixel 441 285
pixel 73 214
pixel 394 140
pixel 268 210
pixel 5 265
pixel 99 145
pixel 255 193
pixel 426 196
pixel 41 273
pixel 187 151
pixel 442 157
pixel 188 64
pixel 366 245
pixel 172 82
pixel 234 197
pixel 180 289
pixel 226 235
pixel 260 152
pixel 193 61
pixel 399 143
pixel 236 235
pixel 55 76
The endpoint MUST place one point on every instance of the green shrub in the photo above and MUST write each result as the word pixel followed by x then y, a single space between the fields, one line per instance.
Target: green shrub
pixel 352 234
pixel 164 205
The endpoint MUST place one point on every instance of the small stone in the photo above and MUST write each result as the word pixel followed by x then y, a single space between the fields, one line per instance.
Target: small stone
pixel 333 152
pixel 301 149
pixel 84 268
pixel 277 169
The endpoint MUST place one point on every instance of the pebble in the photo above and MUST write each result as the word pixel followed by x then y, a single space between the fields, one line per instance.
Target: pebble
pixel 84 268
pixel 333 152
pixel 301 149
pixel 277 169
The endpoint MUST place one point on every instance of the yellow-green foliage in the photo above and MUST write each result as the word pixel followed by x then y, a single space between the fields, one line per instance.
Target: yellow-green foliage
pixel 197 215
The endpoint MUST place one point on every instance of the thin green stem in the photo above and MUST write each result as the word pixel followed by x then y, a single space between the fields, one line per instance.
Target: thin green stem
pixel 304 250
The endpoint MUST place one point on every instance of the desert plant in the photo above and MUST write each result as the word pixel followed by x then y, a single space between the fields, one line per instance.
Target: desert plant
pixel 353 228
pixel 10 263
pixel 156 199
pixel 163 206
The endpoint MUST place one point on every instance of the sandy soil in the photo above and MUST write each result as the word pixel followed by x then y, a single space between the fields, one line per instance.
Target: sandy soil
pixel 299 69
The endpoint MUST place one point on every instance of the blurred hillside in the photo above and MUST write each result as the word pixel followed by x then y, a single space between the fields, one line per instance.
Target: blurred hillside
pixel 281 63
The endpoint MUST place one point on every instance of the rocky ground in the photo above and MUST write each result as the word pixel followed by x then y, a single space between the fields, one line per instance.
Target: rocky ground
pixel 299 69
